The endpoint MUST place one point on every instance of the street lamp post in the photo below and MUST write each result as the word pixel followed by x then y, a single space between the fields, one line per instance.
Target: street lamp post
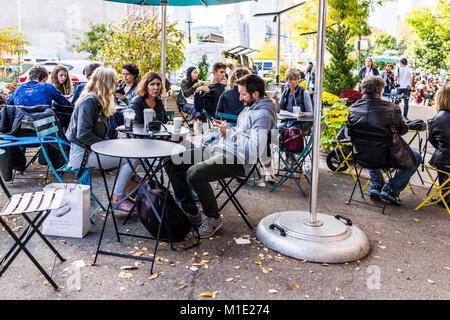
pixel 189 29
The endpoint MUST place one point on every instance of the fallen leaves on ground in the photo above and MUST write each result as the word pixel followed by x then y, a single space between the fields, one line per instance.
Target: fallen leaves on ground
pixel 206 294
pixel 153 276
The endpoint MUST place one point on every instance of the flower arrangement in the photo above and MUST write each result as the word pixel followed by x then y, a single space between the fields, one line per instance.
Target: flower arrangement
pixel 329 99
pixel 351 95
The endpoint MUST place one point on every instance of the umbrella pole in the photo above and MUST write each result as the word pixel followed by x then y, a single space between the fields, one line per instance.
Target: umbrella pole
pixel 163 41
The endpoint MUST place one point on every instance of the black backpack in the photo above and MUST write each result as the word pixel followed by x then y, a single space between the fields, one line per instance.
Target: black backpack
pixel 177 225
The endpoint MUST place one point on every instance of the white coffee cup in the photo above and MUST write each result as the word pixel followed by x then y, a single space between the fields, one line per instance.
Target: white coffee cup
pixel 177 121
pixel 296 111
pixel 148 115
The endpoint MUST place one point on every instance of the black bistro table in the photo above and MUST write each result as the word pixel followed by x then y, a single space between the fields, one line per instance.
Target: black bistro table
pixel 147 152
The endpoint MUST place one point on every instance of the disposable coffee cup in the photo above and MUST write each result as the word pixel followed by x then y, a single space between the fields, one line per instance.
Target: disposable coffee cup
pixel 148 116
pixel 177 121
pixel 296 111
pixel 128 117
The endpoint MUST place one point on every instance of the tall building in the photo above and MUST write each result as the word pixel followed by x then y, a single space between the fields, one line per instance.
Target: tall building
pixel 183 19
pixel 262 28
pixel 54 23
pixel 236 31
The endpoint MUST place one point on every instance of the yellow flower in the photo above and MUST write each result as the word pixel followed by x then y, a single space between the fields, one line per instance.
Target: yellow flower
pixel 328 98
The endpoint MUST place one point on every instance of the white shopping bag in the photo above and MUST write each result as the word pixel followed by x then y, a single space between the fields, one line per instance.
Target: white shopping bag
pixel 71 219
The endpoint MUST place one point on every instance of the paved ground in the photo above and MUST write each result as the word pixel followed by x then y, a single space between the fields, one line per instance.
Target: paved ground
pixel 408 258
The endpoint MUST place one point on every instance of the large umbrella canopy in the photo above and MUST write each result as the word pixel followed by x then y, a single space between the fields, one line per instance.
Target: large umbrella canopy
pixel 180 3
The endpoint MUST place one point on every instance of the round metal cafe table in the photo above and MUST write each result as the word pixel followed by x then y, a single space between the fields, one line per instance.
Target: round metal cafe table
pixel 143 150
pixel 137 148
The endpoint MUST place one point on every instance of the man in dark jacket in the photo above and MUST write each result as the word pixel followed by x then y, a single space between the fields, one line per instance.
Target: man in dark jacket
pixel 207 97
pixel 37 91
pixel 376 127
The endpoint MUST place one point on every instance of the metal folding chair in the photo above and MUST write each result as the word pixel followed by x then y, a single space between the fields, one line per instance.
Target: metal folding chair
pixel 231 194
pixel 296 166
pixel 170 115
pixel 336 118
pixel 47 132
pixel 358 171
pixel 230 118
pixel 2 183
pixel 41 203
pixel 443 190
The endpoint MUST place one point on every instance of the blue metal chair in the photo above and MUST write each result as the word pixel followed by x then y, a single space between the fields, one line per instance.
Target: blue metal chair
pixel 295 167
pixel 230 118
pixel 170 115
pixel 22 143
pixel 47 132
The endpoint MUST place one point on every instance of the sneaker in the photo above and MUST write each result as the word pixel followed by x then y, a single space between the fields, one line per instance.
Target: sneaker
pixel 391 197
pixel 375 192
pixel 196 219
pixel 191 130
pixel 209 227
pixel 269 178
pixel 126 206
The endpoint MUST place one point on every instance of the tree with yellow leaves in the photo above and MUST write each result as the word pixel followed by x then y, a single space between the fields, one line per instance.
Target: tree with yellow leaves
pixel 267 51
pixel 12 43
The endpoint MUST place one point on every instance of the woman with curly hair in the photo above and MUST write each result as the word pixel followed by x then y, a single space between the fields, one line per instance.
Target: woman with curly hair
pixel 126 90
pixel 61 80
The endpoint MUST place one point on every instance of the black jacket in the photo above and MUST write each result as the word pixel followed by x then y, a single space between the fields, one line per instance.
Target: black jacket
pixel 208 101
pixel 88 124
pixel 362 72
pixel 229 102
pixel 439 137
pixel 131 93
pixel 185 92
pixel 138 105
pixel 376 127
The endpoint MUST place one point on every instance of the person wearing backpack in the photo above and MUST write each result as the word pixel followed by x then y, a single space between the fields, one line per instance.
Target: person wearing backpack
pixel 439 136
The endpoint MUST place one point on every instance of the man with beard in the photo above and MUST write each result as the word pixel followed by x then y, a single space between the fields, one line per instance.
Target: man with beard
pixel 236 151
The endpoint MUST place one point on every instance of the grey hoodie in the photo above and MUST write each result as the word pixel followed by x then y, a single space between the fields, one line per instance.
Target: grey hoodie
pixel 248 140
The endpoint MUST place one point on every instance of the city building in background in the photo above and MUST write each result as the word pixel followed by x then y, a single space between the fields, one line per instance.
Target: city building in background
pixel 51 25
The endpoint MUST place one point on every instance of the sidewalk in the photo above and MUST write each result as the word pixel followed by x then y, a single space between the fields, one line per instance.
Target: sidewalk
pixel 409 251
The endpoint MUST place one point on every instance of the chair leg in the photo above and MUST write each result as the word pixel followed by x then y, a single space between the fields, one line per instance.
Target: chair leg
pixel 354 186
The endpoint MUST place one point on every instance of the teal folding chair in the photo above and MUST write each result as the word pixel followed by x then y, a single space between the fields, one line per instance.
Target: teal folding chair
pixel 170 115
pixel 47 132
pixel 295 167
pixel 230 118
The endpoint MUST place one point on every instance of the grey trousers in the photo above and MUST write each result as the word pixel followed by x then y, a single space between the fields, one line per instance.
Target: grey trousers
pixel 197 168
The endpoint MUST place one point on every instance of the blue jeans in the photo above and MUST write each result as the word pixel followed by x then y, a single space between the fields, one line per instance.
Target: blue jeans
pixel 190 110
pixel 398 182
pixel 407 93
